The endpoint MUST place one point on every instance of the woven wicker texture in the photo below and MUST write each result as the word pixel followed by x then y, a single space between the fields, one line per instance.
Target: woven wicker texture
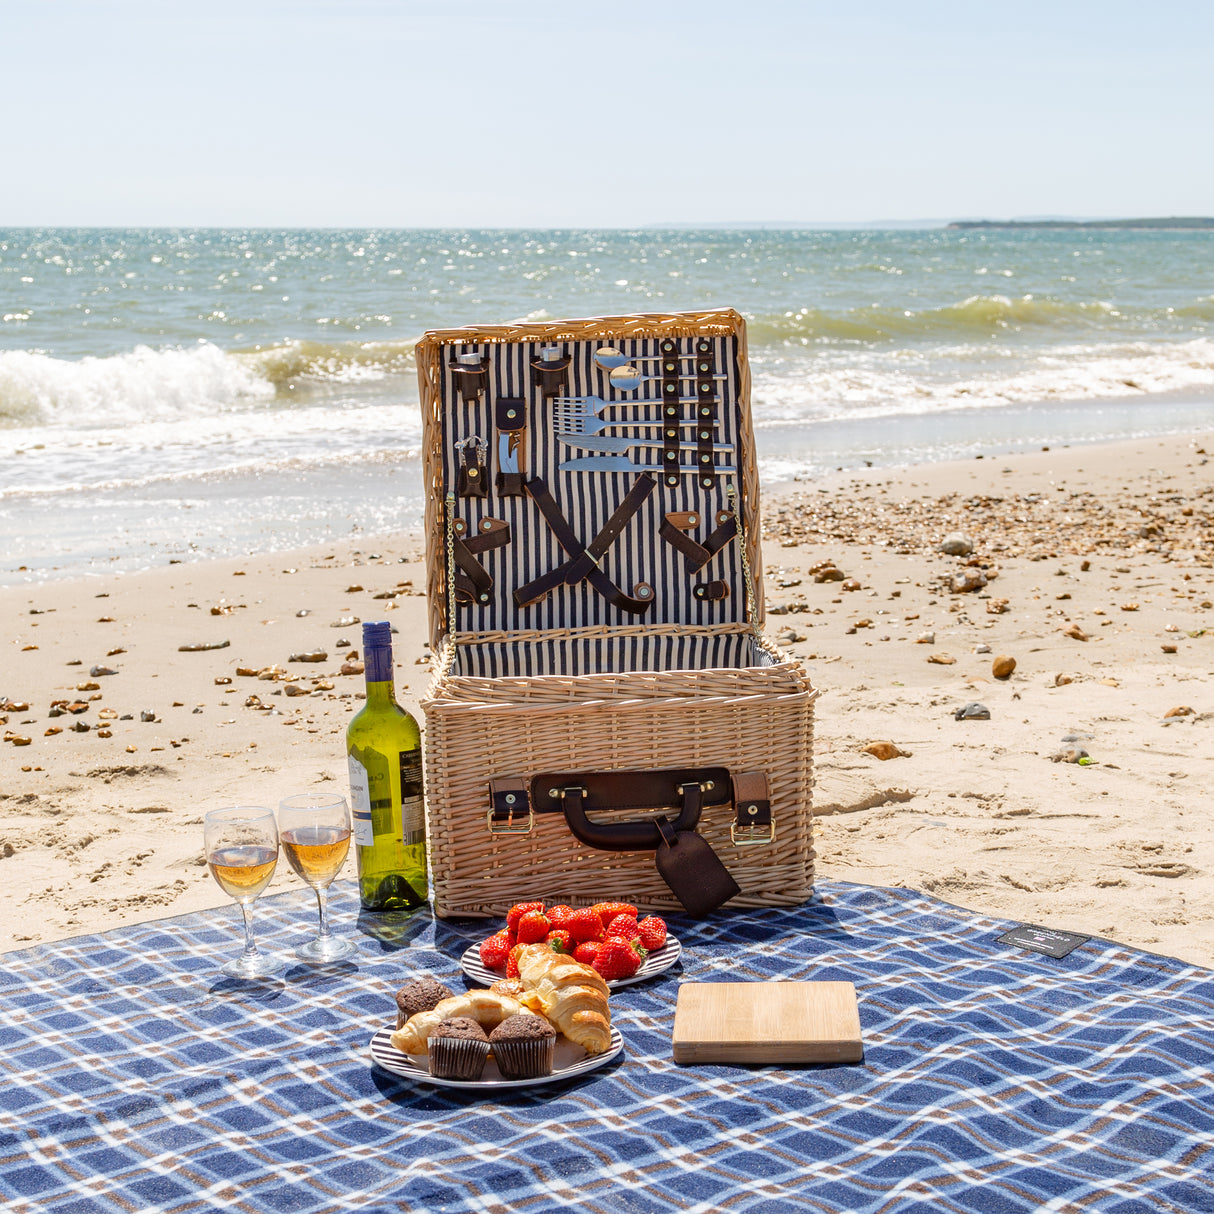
pixel 752 719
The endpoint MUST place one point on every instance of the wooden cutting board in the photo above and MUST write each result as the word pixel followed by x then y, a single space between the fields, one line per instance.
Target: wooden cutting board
pixel 778 1022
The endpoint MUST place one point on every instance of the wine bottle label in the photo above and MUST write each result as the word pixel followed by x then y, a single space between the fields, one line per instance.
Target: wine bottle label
pixel 412 801
pixel 360 804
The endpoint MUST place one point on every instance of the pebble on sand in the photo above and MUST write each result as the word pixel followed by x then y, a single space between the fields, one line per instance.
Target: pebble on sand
pixel 1003 666
pixel 956 543
pixel 201 646
pixel 885 750
pixel 1074 755
pixel 1075 633
pixel 1181 710
pixel 972 712
pixel 967 581
pixel 942 659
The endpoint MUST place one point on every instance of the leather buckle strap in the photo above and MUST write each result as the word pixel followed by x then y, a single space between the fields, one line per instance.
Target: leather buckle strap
pixel 510 797
pixel 753 822
pixel 583 562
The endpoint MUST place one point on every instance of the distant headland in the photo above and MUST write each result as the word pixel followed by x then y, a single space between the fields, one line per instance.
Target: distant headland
pixel 1172 223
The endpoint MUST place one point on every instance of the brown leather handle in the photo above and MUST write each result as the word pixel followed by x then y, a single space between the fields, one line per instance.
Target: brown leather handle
pixel 685 789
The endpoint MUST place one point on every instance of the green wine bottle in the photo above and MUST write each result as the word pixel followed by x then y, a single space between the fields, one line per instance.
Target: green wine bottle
pixel 383 745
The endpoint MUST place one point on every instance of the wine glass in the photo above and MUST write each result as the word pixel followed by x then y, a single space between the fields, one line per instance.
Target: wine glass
pixel 315 833
pixel 242 852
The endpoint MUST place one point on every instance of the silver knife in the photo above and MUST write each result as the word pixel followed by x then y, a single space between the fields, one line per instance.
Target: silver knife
pixel 621 463
pixel 607 443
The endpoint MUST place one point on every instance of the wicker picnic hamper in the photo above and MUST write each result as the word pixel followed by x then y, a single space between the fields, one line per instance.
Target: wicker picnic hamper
pixel 604 703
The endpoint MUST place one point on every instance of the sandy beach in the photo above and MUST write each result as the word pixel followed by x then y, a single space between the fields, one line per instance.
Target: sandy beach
pixel 1090 567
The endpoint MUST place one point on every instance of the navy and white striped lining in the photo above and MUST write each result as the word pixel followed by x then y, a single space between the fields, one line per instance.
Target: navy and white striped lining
pixel 589 499
pixel 595 655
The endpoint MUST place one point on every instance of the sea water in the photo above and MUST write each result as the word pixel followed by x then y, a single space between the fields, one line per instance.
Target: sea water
pixel 175 394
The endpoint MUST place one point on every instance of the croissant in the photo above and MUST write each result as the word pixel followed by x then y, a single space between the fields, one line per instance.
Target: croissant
pixel 514 989
pixel 485 1007
pixel 571 995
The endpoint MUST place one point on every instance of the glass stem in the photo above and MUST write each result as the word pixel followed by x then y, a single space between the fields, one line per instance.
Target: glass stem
pixel 250 945
pixel 322 906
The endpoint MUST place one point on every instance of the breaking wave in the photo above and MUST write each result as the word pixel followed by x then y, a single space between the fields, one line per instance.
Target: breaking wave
pixel 146 385
pixel 977 316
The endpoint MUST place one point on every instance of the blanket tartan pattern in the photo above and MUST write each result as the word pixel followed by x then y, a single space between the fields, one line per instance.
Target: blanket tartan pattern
pixel 135 1077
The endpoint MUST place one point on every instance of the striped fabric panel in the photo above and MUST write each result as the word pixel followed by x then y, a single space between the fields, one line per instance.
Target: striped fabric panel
pixel 578 656
pixel 589 499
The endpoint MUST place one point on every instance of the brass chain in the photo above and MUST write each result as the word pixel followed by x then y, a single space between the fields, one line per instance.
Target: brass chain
pixel 747 579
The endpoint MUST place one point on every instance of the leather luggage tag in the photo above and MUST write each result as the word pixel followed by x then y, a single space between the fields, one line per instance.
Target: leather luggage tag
pixel 693 871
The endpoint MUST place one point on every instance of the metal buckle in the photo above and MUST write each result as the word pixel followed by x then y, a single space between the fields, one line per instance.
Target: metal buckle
pixel 559 794
pixel 496 828
pixel 768 837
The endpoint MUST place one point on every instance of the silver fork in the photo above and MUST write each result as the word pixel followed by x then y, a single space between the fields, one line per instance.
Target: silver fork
pixel 570 412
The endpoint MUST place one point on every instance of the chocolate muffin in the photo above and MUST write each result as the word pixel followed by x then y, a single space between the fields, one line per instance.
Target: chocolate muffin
pixel 523 1046
pixel 420 995
pixel 457 1049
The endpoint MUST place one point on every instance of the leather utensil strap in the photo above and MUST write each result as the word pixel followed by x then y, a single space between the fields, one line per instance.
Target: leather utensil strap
pixel 510 415
pixel 550 377
pixel 473 582
pixel 706 409
pixel 583 562
pixel 698 555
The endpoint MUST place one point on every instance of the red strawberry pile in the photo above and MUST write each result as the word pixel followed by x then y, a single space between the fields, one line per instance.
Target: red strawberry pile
pixel 607 936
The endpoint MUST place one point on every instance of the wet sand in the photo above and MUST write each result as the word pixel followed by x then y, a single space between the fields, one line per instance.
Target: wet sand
pixel 1091 568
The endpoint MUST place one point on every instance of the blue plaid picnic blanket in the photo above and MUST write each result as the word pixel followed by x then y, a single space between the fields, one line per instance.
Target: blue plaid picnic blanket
pixel 135 1077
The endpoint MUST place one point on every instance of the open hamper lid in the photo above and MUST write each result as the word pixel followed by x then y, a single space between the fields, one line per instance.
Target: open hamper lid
pixel 590 476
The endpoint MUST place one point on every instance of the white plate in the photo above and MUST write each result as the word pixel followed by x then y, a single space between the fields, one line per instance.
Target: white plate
pixel 568 1060
pixel 657 961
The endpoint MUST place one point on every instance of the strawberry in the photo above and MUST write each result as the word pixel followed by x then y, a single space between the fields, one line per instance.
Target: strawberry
pixel 495 949
pixel 518 910
pixel 560 941
pixel 653 932
pixel 533 927
pixel 512 961
pixel 584 925
pixel 586 952
pixel 623 927
pixel 617 959
pixel 608 910
pixel 558 915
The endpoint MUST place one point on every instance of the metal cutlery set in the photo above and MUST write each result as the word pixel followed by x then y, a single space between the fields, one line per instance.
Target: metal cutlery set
pixel 581 423
pixel 544 412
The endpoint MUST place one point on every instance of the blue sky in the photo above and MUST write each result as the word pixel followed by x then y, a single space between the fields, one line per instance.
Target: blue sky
pixel 403 114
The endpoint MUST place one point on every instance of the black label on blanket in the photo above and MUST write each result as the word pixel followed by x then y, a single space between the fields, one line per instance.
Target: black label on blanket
pixel 1047 940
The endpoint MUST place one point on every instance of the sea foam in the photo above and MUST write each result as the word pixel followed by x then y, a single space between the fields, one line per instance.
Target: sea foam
pixel 136 386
